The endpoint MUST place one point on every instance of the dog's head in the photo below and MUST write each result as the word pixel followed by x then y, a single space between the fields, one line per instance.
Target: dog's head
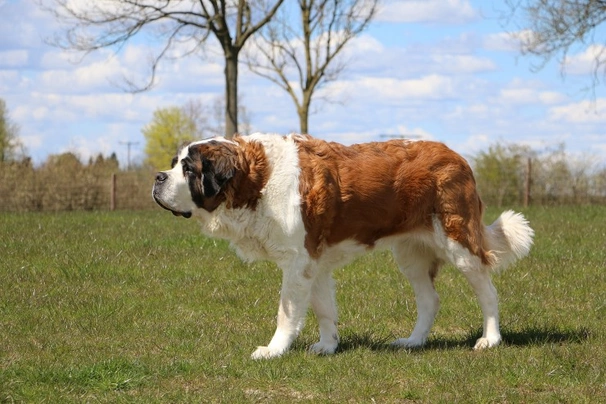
pixel 197 178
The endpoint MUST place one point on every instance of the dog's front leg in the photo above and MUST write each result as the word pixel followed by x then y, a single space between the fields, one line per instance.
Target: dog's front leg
pixel 294 301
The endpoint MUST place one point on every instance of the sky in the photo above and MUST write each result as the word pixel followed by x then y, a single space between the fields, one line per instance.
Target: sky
pixel 444 70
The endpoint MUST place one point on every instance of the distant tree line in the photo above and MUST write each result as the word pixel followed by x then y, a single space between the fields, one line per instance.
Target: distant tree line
pixel 506 174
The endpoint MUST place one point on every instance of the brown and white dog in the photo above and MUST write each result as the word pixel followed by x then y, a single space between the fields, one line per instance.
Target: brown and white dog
pixel 312 206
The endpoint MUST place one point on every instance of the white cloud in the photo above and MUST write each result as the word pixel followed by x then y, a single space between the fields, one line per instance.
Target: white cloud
pixel 8 80
pixel 191 75
pixel 518 95
pixel 42 106
pixel 431 86
pixel 54 59
pixel 381 90
pixel 427 11
pixel 60 108
pixel 515 41
pixel 453 56
pixel 464 64
pixel 502 42
pixel 32 141
pixel 13 58
pixel 584 63
pixel 24 26
pixel 583 112
pixel 404 131
pixel 18 32
pixel 365 52
pixel 68 73
pixel 40 113
pixel 551 97
pixel 83 78
pixel 527 92
pixel 474 143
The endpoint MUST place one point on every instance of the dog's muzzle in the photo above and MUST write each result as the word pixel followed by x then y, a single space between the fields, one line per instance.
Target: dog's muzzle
pixel 157 190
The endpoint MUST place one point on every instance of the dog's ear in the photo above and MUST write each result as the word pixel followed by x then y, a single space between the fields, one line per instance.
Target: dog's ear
pixel 218 167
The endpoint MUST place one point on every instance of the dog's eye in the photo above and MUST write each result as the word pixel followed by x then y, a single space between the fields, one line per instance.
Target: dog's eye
pixel 186 168
pixel 189 167
pixel 173 163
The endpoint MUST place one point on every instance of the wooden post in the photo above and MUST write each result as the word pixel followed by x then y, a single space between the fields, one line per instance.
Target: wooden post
pixel 112 200
pixel 527 183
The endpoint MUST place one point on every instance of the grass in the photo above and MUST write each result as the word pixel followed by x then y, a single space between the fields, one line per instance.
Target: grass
pixel 139 307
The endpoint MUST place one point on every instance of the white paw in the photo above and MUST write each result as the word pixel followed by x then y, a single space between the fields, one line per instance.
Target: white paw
pixel 484 343
pixel 264 352
pixel 323 348
pixel 408 343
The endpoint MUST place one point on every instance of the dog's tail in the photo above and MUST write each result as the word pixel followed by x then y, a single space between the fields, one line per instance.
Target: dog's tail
pixel 508 239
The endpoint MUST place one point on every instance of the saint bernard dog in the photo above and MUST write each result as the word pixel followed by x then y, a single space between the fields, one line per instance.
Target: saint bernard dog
pixel 312 206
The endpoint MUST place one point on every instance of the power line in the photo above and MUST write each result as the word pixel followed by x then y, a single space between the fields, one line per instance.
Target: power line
pixel 128 144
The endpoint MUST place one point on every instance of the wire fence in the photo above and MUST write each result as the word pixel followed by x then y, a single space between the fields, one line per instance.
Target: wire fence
pixel 65 184
pixel 24 189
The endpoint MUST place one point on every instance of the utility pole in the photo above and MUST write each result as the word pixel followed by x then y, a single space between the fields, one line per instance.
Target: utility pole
pixel 128 145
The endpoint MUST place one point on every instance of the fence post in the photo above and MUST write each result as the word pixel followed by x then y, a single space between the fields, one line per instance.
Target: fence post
pixel 528 180
pixel 112 199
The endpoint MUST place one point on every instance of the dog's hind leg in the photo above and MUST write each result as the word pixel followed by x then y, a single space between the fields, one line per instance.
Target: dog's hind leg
pixel 487 296
pixel 420 265
pixel 323 302
pixel 476 268
pixel 297 281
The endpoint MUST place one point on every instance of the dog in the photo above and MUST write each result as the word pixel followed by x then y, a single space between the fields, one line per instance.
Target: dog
pixel 312 206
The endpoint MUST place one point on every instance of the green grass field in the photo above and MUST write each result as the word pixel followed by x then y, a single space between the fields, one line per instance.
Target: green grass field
pixel 139 307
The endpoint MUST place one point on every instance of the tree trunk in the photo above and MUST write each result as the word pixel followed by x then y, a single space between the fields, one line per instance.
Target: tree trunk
pixel 303 120
pixel 303 111
pixel 231 94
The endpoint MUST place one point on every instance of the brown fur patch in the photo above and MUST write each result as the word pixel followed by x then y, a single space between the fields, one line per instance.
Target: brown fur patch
pixel 252 173
pixel 242 171
pixel 369 191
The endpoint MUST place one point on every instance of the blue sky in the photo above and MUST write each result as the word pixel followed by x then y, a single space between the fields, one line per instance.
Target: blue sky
pixel 439 69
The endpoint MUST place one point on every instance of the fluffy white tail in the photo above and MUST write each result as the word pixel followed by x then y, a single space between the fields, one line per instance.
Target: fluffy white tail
pixel 508 239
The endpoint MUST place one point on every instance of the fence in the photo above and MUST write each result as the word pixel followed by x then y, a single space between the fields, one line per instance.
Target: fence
pixel 66 184
pixel 23 189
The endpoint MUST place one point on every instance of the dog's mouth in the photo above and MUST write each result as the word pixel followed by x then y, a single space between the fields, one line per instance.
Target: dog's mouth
pixel 186 215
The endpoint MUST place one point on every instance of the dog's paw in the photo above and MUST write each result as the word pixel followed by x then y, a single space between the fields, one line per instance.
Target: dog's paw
pixel 264 352
pixel 484 343
pixel 323 348
pixel 408 343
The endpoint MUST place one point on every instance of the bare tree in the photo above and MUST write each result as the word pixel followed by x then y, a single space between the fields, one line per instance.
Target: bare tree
pixel 93 25
pixel 551 29
pixel 307 49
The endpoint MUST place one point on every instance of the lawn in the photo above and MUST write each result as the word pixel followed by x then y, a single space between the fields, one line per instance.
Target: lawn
pixel 139 307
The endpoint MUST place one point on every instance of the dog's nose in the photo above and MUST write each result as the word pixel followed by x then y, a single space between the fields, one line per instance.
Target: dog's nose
pixel 161 176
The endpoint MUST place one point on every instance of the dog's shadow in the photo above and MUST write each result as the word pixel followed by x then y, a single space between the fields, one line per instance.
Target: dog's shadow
pixel 533 336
